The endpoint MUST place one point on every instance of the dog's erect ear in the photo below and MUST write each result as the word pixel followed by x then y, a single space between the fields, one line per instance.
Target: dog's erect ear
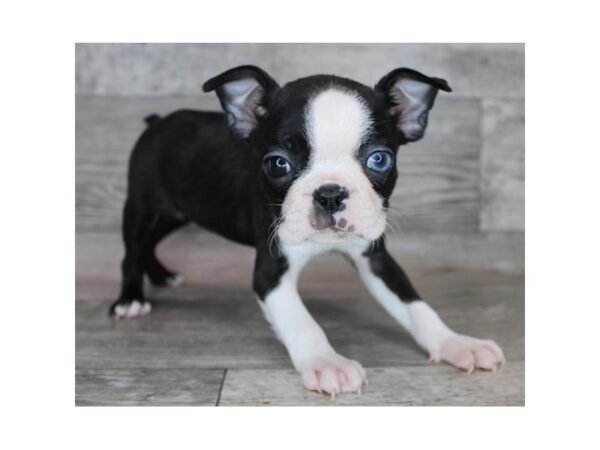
pixel 410 96
pixel 242 92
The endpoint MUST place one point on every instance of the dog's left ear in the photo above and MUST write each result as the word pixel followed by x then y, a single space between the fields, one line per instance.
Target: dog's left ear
pixel 410 95
pixel 242 92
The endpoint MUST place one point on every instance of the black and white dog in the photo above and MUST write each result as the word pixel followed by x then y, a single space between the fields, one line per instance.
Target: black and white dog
pixel 294 171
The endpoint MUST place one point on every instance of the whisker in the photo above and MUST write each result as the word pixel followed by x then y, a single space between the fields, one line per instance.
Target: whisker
pixel 393 219
pixel 272 235
pixel 396 214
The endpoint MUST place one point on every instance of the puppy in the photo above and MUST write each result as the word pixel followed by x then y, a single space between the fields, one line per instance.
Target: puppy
pixel 294 171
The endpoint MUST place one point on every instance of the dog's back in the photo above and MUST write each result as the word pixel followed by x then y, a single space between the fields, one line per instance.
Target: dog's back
pixel 182 165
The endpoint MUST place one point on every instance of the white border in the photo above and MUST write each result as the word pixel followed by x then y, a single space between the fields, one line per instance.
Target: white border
pixel 562 305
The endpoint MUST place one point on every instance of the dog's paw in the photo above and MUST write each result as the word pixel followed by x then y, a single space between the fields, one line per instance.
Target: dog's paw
pixel 468 353
pixel 131 310
pixel 333 374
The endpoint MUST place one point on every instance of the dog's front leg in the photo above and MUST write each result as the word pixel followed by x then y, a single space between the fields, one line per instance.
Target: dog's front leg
pixel 321 367
pixel 390 286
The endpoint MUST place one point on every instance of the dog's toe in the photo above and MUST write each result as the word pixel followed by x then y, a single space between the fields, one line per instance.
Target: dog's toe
pixel 334 374
pixel 132 310
pixel 468 353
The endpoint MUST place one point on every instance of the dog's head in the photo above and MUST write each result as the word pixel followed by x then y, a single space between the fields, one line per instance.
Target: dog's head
pixel 327 145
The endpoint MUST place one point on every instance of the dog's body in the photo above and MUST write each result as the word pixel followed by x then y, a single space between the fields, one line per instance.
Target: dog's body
pixel 294 171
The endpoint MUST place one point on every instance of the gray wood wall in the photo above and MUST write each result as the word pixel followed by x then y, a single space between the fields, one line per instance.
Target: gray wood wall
pixel 466 176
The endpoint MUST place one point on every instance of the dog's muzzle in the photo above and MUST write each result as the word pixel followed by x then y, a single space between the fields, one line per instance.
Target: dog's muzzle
pixel 328 199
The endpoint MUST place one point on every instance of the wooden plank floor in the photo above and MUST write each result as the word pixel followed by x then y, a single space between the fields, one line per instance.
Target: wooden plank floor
pixel 206 342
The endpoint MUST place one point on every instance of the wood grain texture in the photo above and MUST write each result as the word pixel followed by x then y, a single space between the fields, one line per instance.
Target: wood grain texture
pixel 212 322
pixel 180 69
pixel 464 177
pixel 437 190
pixel 143 387
pixel 435 385
pixel 212 262
pixel 221 330
pixel 503 165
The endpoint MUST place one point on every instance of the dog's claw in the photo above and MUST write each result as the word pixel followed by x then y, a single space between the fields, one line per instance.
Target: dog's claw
pixel 333 375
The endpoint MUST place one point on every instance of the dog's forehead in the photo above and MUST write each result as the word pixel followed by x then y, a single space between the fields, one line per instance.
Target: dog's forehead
pixel 337 122
pixel 330 112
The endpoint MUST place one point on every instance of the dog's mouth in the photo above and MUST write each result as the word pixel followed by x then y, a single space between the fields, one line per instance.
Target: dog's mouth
pixel 327 223
pixel 350 222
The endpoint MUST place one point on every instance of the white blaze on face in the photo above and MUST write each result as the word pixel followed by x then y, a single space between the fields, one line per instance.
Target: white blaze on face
pixel 337 124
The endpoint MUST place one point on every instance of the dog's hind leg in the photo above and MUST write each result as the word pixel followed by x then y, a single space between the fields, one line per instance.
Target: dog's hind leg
pixel 137 223
pixel 163 224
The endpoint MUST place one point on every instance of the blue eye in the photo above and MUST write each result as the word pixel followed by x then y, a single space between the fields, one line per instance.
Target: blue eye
pixel 276 166
pixel 380 161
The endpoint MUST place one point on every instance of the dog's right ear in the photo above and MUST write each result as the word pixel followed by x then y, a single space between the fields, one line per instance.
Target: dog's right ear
pixel 242 92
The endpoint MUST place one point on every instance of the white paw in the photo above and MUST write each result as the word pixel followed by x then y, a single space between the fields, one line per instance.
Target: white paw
pixel 174 281
pixel 132 310
pixel 468 353
pixel 333 374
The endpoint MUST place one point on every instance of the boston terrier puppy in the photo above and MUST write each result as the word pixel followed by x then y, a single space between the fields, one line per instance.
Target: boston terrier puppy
pixel 294 171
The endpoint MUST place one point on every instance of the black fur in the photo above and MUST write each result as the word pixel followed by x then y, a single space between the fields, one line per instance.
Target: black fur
pixel 152 118
pixel 386 268
pixel 191 166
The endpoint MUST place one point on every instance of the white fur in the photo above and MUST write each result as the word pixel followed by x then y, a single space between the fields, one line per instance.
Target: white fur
pixel 428 329
pixel 321 368
pixel 133 310
pixel 337 123
pixel 175 280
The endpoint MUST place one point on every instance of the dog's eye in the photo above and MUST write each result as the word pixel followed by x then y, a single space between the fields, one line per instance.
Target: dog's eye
pixel 276 166
pixel 380 161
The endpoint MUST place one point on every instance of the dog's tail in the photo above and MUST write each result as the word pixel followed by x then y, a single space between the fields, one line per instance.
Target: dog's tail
pixel 151 119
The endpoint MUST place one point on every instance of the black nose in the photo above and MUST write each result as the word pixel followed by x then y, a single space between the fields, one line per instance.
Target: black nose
pixel 330 197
